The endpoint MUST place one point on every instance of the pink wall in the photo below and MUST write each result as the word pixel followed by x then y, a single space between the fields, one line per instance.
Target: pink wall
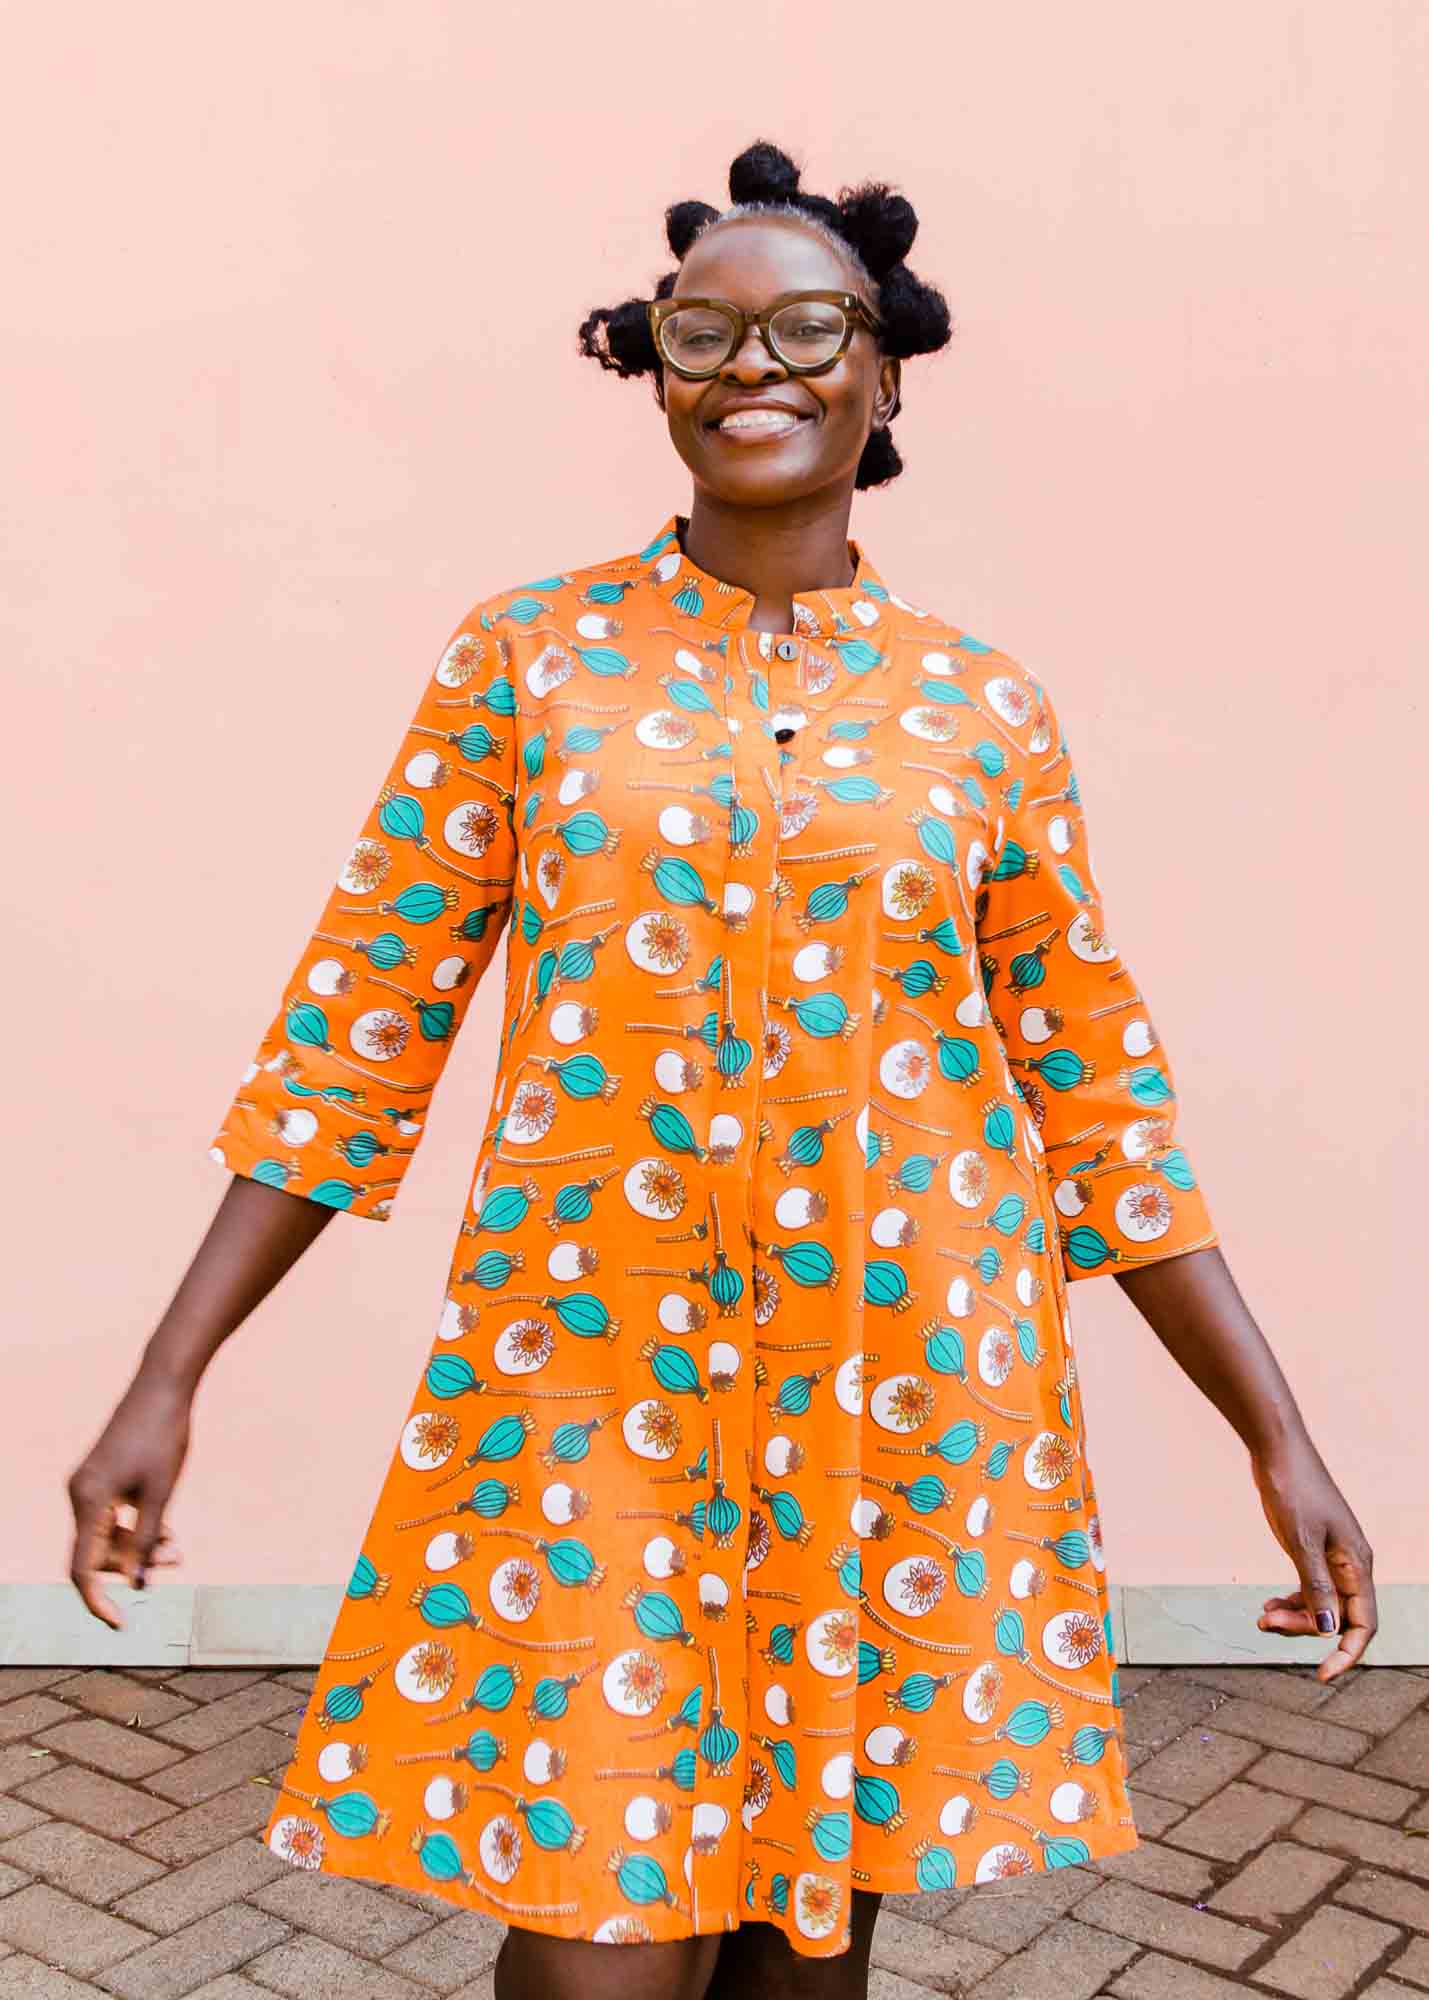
pixel 290 380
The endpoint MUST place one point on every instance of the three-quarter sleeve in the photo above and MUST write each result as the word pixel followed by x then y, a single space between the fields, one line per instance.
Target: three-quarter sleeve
pixel 334 1102
pixel 1080 1040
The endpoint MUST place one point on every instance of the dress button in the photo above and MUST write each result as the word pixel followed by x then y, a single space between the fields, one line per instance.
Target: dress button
pixel 783 736
pixel 787 649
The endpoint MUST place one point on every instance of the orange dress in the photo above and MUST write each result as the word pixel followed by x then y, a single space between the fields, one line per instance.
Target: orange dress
pixel 739 1546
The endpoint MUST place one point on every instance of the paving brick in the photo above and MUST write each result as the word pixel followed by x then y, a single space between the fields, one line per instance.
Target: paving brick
pixel 1152 1866
pixel 421 1899
pixel 194 1779
pixel 1195 1765
pixel 187 1835
pixel 19 1762
pixel 1005 1916
pixel 16 1817
pixel 26 1978
pixel 201 1726
pixel 1388 1989
pixel 183 1895
pixel 189 1958
pixel 1165 1709
pixel 29 1715
pixel 451 1954
pixel 82 1863
pixel 12 1878
pixel 1413 1964
pixel 929 1957
pixel 211 1683
pixel 1157 1921
pixel 305 1679
pixel 229 1986
pixel 75 1792
pixel 1386 1896
pixel 1302 1735
pixel 1235 1821
pixel 124 1753
pixel 115 1695
pixel 1363 1840
pixel 1328 1785
pixel 308 1968
pixel 1069 1961
pixel 1158 1978
pixel 1152 1815
pixel 1292 1688
pixel 484 1988
pixel 1377 1701
pixel 62 1931
pixel 341 1910
pixel 29 1680
pixel 1277 1882
pixel 1328 1956
pixel 1403 1755
pixel 882 1985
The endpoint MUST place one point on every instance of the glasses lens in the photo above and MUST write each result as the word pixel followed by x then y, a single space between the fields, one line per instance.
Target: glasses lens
pixel 807 332
pixel 697 337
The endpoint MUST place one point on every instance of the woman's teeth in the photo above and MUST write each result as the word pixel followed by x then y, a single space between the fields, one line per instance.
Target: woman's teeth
pixel 769 423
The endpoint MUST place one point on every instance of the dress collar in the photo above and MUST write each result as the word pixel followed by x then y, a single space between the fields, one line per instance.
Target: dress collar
pixel 694 593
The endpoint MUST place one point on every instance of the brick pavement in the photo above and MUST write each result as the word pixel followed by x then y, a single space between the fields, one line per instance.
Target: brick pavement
pixel 1284 1824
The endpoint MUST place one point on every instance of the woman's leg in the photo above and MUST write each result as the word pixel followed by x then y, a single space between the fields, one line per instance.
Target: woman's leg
pixel 757 1962
pixel 532 1966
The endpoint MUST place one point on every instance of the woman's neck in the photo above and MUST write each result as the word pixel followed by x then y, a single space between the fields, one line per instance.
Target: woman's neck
pixel 771 552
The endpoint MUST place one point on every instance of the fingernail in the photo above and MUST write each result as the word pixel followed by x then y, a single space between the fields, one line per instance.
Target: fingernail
pixel 139 1580
pixel 1325 1620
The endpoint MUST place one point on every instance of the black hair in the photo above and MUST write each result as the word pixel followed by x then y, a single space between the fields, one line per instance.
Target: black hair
pixel 871 225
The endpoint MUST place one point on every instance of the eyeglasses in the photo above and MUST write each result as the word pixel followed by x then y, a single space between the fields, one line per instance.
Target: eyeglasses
pixel 807 331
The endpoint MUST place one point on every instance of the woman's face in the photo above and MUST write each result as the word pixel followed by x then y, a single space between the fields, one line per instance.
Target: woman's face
pixel 750 260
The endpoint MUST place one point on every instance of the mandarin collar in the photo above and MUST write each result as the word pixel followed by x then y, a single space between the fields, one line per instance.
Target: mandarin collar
pixel 818 614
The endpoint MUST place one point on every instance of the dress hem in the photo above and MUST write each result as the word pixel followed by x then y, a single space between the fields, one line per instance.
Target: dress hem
pixel 887 1881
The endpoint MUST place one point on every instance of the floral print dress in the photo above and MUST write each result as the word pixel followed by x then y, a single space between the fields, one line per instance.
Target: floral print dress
pixel 739 1547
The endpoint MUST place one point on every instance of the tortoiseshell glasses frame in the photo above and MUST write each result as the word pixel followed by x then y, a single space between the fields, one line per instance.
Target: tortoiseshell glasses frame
pixel 855 313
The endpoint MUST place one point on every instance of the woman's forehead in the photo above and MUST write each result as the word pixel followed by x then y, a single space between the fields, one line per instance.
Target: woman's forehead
pixel 759 255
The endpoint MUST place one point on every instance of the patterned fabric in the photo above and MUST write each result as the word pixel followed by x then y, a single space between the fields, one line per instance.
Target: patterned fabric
pixel 739 1547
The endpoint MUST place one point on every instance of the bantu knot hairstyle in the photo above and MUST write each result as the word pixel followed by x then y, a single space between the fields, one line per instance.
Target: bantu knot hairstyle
pixel 871 226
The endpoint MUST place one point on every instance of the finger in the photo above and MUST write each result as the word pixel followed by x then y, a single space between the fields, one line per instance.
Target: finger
pixel 1287 1616
pixel 1317 1590
pixel 1360 1618
pixel 146 1534
pixel 90 1543
pixel 166 1551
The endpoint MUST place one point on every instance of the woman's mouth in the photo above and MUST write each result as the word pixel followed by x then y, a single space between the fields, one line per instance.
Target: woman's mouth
pixel 757 426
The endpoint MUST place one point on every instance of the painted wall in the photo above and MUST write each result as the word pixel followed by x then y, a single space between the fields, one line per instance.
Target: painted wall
pixel 290 379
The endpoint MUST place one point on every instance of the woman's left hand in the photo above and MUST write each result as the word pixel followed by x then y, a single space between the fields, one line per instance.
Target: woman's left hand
pixel 1316 1527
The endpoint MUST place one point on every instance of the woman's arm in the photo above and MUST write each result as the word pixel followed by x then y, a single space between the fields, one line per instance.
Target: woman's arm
pixel 1194 1307
pixel 334 1103
pixel 257 1233
pixel 1084 1051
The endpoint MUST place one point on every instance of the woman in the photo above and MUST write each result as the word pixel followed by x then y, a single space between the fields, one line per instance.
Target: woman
pixel 699 1608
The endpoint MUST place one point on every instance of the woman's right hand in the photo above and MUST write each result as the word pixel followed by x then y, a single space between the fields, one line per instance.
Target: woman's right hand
pixel 133 1465
pixel 257 1233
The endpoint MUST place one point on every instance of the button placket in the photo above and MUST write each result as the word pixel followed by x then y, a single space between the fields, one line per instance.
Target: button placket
pixel 790 651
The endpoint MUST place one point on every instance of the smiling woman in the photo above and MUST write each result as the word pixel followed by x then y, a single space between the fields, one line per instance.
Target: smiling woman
pixel 791 301
pixel 738 1560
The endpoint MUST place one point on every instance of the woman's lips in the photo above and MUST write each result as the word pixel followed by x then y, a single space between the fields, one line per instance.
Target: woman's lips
pixel 761 427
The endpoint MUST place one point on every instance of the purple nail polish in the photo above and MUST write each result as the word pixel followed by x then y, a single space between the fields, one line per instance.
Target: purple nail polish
pixel 1325 1620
